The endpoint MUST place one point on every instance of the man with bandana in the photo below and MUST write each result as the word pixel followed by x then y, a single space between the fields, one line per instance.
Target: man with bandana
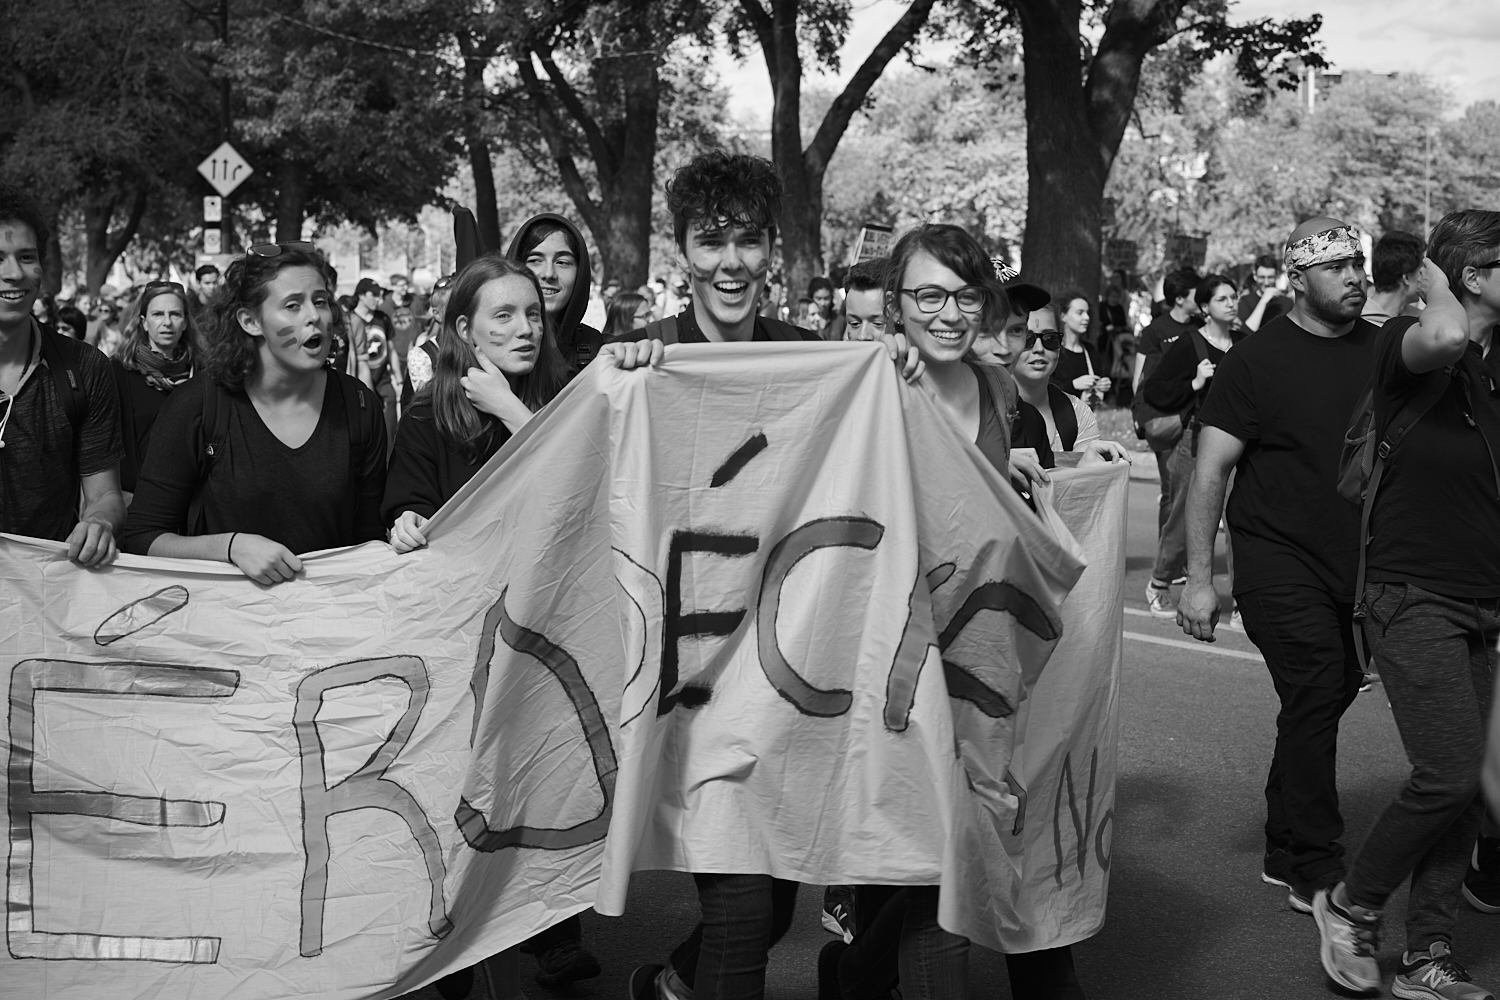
pixel 1280 403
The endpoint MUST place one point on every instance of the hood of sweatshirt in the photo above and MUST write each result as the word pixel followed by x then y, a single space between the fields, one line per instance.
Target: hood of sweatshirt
pixel 572 317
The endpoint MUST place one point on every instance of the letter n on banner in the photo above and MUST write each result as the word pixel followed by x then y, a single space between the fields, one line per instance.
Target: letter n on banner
pixel 130 680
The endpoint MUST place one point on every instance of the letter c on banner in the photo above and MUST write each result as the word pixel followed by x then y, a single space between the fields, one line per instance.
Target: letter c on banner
pixel 853 532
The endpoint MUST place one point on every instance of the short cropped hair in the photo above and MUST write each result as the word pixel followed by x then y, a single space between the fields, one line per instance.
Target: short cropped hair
pixel 1464 239
pixel 730 188
pixel 819 284
pixel 1267 260
pixel 1397 254
pixel 205 269
pixel 1178 284
pixel 867 275
pixel 17 206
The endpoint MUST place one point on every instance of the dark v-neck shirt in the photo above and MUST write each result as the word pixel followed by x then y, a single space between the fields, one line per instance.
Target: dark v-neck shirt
pixel 319 495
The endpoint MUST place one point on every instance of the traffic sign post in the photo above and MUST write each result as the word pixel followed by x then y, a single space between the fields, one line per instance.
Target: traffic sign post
pixel 225 169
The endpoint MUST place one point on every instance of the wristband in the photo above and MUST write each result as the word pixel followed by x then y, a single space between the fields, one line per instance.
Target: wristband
pixel 229 552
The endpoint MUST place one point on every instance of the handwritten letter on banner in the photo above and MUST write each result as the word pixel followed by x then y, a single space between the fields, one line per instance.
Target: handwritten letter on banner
pixel 734 614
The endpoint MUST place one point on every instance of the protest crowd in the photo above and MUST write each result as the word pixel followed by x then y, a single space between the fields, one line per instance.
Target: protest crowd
pixel 1345 429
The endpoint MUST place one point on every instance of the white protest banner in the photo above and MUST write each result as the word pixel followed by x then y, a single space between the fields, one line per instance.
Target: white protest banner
pixel 732 614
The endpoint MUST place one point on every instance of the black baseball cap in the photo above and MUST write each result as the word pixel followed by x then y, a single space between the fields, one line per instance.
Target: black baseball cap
pixel 368 285
pixel 1027 296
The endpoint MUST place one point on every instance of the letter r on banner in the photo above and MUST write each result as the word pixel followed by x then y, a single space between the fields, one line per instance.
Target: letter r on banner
pixel 129 680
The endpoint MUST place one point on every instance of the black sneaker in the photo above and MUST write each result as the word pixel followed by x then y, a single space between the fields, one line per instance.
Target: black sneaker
pixel 838 911
pixel 1482 881
pixel 1301 892
pixel 565 962
pixel 1276 869
pixel 643 982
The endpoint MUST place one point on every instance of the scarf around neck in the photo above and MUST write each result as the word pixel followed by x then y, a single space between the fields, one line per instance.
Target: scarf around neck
pixel 162 374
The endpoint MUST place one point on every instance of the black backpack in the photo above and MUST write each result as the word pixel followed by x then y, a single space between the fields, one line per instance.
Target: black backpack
pixel 216 409
pixel 61 355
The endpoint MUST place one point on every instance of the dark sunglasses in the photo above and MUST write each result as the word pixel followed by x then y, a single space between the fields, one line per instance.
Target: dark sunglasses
pixel 443 282
pixel 275 249
pixel 1486 267
pixel 174 286
pixel 1051 339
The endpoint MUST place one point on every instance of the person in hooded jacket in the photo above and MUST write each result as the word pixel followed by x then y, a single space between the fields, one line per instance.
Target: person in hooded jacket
pixel 555 251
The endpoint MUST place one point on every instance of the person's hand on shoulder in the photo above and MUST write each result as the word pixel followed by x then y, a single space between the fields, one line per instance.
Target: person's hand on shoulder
pixel 91 544
pixel 406 533
pixel 629 355
pixel 907 357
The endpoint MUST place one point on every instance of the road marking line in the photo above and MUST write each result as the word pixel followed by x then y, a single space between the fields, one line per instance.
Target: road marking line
pixel 1197 647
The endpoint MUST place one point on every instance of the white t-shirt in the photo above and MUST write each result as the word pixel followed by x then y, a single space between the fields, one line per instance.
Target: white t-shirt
pixel 1088 427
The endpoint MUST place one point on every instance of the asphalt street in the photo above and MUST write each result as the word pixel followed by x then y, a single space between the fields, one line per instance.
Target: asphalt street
pixel 1188 913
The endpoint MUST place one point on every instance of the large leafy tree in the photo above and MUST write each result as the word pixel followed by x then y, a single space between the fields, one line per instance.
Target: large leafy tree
pixel 1080 96
pixel 109 111
pixel 788 32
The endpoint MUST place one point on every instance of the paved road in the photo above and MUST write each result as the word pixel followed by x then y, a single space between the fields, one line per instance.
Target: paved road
pixel 1188 914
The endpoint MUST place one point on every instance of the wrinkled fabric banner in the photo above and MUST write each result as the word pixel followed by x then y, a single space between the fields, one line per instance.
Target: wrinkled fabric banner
pixel 732 614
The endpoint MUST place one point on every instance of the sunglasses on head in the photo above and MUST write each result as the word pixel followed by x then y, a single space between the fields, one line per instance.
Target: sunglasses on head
pixel 443 282
pixel 173 286
pixel 1051 339
pixel 275 249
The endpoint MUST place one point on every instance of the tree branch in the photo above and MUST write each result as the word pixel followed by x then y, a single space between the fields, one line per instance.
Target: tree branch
pixel 836 121
pixel 122 239
pixel 557 144
pixel 599 147
pixel 1132 29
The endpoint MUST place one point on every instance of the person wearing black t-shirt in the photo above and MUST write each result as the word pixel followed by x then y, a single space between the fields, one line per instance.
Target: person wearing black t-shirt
pixel 1180 317
pixel 1262 301
pixel 1079 371
pixel 301 466
pixel 1179 384
pixel 1432 615
pixel 1277 411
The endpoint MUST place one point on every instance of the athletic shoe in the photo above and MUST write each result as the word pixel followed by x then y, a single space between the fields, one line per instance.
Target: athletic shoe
pixel 1349 937
pixel 838 911
pixel 565 962
pixel 1434 975
pixel 643 982
pixel 1277 868
pixel 1482 881
pixel 1300 893
pixel 1159 601
pixel 1179 580
pixel 1235 622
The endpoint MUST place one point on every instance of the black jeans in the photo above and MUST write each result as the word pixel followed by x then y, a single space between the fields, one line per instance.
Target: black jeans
pixel 1437 661
pixel 724 958
pixel 1307 638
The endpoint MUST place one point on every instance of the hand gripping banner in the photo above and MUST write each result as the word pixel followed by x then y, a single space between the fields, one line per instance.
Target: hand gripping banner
pixel 732 614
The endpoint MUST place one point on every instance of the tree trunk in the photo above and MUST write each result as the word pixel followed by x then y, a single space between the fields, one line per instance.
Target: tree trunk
pixel 476 55
pixel 1065 173
pixel 52 264
pixel 622 225
pixel 103 246
pixel 291 200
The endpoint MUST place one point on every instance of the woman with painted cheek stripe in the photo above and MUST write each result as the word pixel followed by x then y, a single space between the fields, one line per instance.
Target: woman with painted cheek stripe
pixel 1070 422
pixel 265 453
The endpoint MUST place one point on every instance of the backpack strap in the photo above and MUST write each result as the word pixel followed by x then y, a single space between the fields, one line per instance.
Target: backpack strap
pixel 1063 415
pixel 215 440
pixel 70 391
pixel 356 405
pixel 1405 419
pixel 669 330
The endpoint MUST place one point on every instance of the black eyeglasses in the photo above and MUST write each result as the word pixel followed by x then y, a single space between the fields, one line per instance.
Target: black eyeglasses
pixel 932 298
pixel 275 249
pixel 1051 339
pixel 1486 267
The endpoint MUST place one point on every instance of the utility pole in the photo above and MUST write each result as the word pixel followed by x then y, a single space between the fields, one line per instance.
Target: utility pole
pixel 1427 191
pixel 226 123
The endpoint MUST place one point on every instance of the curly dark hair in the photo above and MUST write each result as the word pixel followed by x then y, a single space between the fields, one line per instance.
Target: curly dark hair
pixel 727 188
pixel 229 353
pixel 18 206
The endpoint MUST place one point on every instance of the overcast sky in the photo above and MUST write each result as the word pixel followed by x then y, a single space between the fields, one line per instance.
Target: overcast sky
pixel 1454 41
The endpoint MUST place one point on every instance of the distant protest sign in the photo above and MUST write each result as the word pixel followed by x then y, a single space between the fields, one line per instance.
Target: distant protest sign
pixel 732 614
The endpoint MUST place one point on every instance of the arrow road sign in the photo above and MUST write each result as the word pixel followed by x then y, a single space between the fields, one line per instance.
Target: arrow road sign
pixel 225 169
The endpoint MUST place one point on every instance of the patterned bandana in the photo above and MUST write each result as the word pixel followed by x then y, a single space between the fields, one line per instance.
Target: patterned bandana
pixel 1339 243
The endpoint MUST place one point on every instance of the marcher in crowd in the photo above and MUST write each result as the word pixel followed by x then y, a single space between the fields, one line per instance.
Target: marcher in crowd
pixel 627 311
pixel 1179 317
pixel 1431 617
pixel 299 450
pixel 1280 403
pixel 864 301
pixel 1079 372
pixel 155 357
pixel 59 411
pixel 1071 425
pixel 1396 276
pixel 557 253
pixel 1262 301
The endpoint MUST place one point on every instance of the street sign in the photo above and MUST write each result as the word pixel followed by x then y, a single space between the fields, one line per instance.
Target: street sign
pixel 225 169
pixel 213 208
pixel 213 240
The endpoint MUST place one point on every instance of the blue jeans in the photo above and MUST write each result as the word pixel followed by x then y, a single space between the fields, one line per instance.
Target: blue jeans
pixel 900 938
pixel 743 916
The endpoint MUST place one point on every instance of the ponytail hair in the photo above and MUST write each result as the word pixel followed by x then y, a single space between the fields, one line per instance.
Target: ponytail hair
pixel 458 422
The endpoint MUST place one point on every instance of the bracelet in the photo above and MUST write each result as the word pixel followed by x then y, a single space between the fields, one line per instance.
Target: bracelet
pixel 229 552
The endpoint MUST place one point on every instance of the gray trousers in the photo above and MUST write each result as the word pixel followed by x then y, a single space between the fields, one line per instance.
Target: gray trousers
pixel 1437 659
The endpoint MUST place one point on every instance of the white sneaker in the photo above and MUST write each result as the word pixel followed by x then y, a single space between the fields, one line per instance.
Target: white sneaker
pixel 1350 936
pixel 1236 622
pixel 1159 601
